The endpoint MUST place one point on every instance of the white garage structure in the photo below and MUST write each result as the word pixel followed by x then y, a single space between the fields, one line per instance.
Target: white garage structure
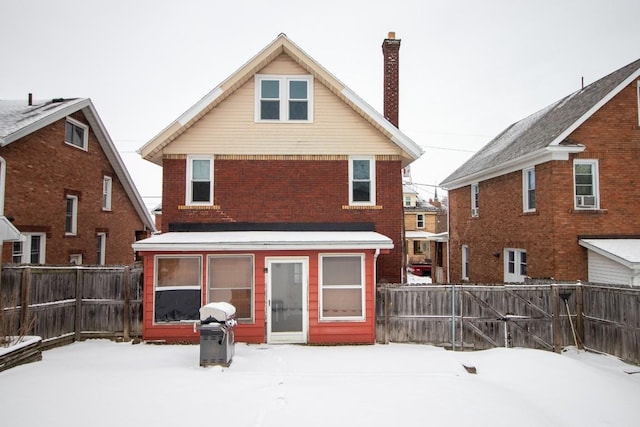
pixel 613 261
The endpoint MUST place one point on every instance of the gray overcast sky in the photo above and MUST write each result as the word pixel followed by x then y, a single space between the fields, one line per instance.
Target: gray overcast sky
pixel 468 69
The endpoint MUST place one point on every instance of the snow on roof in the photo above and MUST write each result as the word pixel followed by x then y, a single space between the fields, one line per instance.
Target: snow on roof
pixel 264 240
pixel 424 235
pixel 624 251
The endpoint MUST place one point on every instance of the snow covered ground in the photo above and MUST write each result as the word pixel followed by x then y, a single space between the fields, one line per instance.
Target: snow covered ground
pixel 102 383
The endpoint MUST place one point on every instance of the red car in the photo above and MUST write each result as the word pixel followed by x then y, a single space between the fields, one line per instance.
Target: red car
pixel 420 269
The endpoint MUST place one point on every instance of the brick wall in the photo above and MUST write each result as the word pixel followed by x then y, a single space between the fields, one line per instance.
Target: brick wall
pixel 550 235
pixel 282 191
pixel 41 169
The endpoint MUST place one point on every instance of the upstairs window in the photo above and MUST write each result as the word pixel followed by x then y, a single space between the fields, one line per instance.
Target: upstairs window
pixel 362 183
pixel 407 201
pixel 71 216
pixel 585 177
pixel 199 180
pixel 76 133
pixel 284 98
pixel 529 189
pixel 475 192
pixel 106 193
pixel 419 220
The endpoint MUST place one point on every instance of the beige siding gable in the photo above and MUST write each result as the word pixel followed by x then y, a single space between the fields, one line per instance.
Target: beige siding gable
pixel 230 128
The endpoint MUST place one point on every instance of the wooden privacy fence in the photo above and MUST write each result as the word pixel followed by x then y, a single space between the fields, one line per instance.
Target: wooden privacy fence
pixel 71 303
pixel 544 316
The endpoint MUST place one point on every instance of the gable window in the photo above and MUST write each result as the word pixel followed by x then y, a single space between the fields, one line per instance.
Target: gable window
pixel 475 193
pixel 30 249
pixel 199 180
pixel 231 280
pixel 284 98
pixel 71 215
pixel 342 287
pixel 407 201
pixel 585 177
pixel 178 291
pixel 465 262
pixel 419 220
pixel 362 183
pixel 76 133
pixel 107 183
pixel 515 265
pixel 101 245
pixel 529 189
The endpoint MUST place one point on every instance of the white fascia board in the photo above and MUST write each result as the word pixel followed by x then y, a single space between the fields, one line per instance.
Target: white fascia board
pixel 595 108
pixel 543 155
pixel 608 255
pixel 399 138
pixel 116 161
pixel 192 112
pixel 45 120
pixel 271 246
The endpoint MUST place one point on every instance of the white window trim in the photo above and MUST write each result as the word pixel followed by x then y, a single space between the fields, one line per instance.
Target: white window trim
pixel 525 189
pixel 102 240
pixel 475 202
pixel 418 220
pixel 189 196
pixel 74 216
pixel 362 286
pixel 25 239
pixel 75 259
pixel 372 172
pixel 85 134
pixel 638 90
pixel 107 186
pixel 516 276
pixel 465 262
pixel 284 97
pixel 596 184
pixel 253 282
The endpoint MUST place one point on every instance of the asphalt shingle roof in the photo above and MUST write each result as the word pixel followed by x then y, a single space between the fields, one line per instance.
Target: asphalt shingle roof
pixel 542 128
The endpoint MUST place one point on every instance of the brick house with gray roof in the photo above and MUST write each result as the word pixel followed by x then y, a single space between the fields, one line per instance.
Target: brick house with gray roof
pixel 65 194
pixel 555 195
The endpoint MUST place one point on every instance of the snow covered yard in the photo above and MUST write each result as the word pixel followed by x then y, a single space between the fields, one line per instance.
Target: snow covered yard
pixel 102 383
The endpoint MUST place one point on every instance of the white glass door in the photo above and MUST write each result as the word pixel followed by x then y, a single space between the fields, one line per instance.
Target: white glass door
pixel 287 316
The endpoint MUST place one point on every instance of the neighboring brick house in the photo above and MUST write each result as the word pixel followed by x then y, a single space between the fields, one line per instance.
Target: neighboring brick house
pixel 64 186
pixel 281 195
pixel 420 222
pixel 556 194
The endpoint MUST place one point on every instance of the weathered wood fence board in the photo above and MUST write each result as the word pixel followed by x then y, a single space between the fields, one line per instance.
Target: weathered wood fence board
pixel 67 303
pixel 543 316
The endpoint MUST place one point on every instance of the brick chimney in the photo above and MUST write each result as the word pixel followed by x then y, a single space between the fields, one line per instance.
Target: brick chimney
pixel 391 54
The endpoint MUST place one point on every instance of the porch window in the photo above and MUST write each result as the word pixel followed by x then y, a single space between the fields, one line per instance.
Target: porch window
pixel 178 288
pixel 231 280
pixel 342 289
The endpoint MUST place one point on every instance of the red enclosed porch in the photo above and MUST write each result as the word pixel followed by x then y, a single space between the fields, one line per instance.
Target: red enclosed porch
pixel 287 287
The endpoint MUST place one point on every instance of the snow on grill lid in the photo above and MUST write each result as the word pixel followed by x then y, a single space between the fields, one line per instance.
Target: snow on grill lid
pixel 220 311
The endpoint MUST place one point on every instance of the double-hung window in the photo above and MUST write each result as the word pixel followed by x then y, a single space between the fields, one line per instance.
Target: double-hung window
pixel 419 220
pixel 178 290
pixel 107 183
pixel 342 287
pixel 199 180
pixel 475 197
pixel 76 133
pixel 362 180
pixel 101 246
pixel 231 280
pixel 284 98
pixel 30 249
pixel 529 189
pixel 71 216
pixel 465 262
pixel 515 265
pixel 585 178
